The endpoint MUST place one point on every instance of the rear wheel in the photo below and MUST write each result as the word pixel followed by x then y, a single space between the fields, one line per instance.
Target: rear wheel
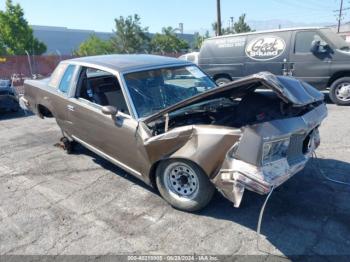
pixel 340 91
pixel 184 185
pixel 222 81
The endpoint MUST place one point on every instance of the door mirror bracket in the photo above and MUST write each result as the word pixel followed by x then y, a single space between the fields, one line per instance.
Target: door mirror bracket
pixel 110 110
pixel 319 47
pixel 113 112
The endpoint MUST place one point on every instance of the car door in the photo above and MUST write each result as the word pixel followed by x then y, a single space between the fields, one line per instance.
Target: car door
pixel 117 140
pixel 313 68
pixel 267 52
pixel 59 87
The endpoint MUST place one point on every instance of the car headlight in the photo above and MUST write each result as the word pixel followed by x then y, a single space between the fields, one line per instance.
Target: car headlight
pixel 275 150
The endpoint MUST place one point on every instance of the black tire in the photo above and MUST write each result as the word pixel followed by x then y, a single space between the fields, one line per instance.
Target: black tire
pixel 194 202
pixel 334 89
pixel 222 81
pixel 15 108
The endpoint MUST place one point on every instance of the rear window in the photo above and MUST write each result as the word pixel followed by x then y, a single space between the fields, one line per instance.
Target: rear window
pixel 57 75
pixel 67 79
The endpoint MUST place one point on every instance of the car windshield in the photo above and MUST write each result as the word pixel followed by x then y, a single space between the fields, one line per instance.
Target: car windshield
pixel 154 90
pixel 337 40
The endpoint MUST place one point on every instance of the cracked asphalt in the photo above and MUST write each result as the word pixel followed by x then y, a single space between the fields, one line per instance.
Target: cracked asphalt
pixel 54 203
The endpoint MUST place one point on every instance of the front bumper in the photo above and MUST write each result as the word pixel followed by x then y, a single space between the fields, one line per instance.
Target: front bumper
pixel 236 175
pixel 232 182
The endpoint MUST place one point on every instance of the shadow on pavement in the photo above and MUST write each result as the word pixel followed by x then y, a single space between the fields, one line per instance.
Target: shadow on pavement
pixel 307 215
pixel 12 115
pixel 79 149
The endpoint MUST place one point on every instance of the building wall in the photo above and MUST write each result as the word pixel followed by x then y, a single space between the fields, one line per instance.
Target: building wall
pixel 63 41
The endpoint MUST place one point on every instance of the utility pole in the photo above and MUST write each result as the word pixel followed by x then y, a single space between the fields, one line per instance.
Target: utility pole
pixel 232 23
pixel 340 14
pixel 218 23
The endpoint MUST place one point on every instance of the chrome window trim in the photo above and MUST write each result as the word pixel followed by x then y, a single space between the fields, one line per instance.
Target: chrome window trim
pixel 115 73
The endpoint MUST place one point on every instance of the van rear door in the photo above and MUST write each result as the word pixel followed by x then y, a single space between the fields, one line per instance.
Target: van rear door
pixel 267 52
pixel 313 68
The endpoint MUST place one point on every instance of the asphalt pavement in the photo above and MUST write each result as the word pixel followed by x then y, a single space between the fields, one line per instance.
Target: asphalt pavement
pixel 54 203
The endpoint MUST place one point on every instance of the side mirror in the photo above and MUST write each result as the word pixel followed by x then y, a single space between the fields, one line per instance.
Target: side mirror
pixel 315 46
pixel 110 110
pixel 319 47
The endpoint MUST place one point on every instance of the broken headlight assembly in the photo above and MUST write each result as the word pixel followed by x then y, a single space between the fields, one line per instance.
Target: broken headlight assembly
pixel 275 150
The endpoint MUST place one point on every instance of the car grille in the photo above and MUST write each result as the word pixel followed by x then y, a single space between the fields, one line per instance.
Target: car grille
pixel 295 149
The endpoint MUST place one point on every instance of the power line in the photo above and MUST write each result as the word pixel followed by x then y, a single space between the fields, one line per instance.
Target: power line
pixel 340 16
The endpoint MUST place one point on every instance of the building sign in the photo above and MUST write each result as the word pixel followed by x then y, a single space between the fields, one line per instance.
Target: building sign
pixel 265 48
pixel 2 60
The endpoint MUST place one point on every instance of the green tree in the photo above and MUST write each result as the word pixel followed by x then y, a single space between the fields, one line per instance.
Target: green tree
pixel 15 33
pixel 199 39
pixel 94 46
pixel 129 36
pixel 168 41
pixel 241 26
pixel 238 27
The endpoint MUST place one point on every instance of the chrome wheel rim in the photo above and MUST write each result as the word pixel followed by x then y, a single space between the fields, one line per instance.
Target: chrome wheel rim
pixel 181 181
pixel 342 92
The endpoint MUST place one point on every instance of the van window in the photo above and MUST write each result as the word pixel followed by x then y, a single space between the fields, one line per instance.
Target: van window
pixel 303 41
pixel 67 79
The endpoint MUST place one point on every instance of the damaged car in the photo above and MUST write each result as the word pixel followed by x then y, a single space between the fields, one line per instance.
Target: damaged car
pixel 166 122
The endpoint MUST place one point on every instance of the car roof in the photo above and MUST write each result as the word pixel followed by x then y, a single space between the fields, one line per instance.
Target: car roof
pixel 125 63
pixel 269 31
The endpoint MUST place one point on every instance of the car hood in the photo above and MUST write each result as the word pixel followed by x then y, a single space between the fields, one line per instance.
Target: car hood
pixel 289 89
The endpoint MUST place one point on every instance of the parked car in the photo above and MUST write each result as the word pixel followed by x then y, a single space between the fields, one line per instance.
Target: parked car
pixel 8 97
pixel 192 57
pixel 167 123
pixel 315 55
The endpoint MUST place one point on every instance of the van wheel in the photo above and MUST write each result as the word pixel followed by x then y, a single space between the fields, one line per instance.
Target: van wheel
pixel 339 92
pixel 184 185
pixel 222 81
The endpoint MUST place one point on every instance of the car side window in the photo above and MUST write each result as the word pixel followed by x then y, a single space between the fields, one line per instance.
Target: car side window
pixel 56 76
pixel 67 79
pixel 303 41
pixel 101 88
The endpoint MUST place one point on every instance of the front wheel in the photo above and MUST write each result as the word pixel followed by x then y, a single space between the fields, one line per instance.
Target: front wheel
pixel 184 185
pixel 339 91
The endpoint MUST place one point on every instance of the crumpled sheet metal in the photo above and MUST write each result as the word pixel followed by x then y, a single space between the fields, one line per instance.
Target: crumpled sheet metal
pixel 237 174
pixel 205 145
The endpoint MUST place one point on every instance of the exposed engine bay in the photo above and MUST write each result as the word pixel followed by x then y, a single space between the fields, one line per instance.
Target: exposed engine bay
pixel 252 107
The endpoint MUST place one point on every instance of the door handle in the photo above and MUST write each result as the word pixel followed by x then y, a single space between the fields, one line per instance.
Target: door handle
pixel 70 107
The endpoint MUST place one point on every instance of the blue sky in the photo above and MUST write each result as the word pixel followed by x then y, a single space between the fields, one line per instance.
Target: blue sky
pixel 197 15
